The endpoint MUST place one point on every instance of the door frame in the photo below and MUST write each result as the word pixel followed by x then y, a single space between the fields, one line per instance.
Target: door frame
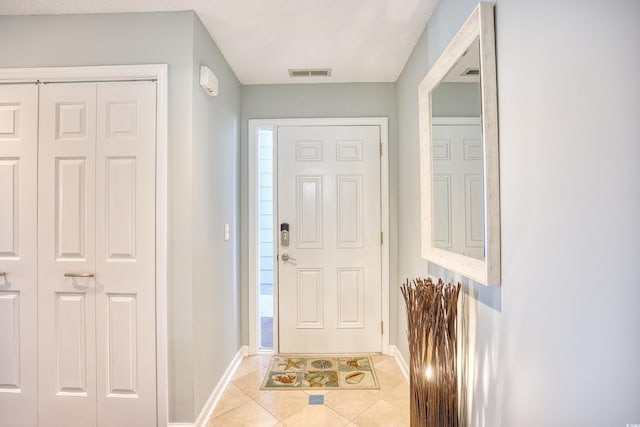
pixel 107 73
pixel 253 176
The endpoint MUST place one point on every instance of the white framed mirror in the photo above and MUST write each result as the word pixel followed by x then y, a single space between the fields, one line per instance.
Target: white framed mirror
pixel 459 162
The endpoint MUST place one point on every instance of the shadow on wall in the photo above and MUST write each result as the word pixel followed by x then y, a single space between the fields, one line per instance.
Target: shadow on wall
pixel 466 356
pixel 478 380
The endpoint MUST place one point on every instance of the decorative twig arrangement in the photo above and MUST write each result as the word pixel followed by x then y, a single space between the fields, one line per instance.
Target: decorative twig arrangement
pixel 431 316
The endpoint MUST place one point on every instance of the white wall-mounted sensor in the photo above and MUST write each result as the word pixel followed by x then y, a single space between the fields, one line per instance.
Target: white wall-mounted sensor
pixel 208 81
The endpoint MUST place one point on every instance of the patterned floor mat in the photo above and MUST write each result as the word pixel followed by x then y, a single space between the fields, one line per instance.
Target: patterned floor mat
pixel 306 372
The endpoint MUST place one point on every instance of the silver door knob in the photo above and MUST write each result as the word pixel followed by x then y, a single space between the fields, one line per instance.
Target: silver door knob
pixel 287 257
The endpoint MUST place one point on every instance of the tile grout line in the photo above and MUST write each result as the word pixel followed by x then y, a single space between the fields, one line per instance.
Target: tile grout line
pixel 213 416
pixel 374 399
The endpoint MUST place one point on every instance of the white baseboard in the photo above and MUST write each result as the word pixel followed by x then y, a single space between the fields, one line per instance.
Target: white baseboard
pixel 216 394
pixel 404 366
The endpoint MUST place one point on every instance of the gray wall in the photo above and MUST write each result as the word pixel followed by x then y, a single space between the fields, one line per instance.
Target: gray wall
pixel 202 165
pixel 456 100
pixel 558 342
pixel 216 198
pixel 318 100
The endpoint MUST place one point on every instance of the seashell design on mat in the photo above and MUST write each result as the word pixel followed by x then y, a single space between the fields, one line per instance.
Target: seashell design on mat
pixel 354 377
pixel 321 364
pixel 321 379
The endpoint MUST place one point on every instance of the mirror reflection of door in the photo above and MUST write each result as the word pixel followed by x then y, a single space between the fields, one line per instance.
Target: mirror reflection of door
pixel 456 155
pixel 457 185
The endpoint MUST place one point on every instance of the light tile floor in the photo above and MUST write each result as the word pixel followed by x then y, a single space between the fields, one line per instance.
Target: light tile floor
pixel 244 404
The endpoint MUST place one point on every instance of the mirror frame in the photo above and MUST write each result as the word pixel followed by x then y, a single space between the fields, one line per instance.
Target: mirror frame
pixel 479 24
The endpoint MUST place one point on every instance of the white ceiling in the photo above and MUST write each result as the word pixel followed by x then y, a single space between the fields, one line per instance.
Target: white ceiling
pixel 360 40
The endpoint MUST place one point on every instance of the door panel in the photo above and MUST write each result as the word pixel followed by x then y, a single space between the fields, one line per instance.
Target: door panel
pixel 310 304
pixel 10 340
pixel 18 255
pixel 66 242
pixel 122 345
pixel 309 212
pixel 120 201
pixel 350 298
pixel 10 195
pixel 71 208
pixel 71 344
pixel 350 216
pixel 329 194
pixel 125 254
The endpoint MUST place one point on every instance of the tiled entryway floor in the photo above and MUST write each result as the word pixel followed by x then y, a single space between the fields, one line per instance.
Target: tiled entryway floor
pixel 244 404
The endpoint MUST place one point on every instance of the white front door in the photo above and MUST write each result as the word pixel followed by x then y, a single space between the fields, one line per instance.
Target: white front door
pixel 96 267
pixel 18 255
pixel 329 281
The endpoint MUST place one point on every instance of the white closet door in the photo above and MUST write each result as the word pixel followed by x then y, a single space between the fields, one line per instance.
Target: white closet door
pixel 97 217
pixel 66 245
pixel 18 255
pixel 125 254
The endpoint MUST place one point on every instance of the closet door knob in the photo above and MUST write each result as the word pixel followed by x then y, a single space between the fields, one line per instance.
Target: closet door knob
pixel 79 275
pixel 3 273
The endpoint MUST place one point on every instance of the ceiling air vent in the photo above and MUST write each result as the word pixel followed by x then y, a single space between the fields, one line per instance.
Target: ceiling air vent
pixel 471 72
pixel 310 72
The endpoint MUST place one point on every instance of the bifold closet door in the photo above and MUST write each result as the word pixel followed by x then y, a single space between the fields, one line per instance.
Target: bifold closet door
pixel 18 255
pixel 66 242
pixel 125 254
pixel 96 249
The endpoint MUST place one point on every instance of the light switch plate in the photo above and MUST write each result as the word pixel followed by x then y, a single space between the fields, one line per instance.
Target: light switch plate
pixel 226 232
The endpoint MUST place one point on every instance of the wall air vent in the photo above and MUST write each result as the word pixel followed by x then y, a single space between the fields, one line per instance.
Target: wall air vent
pixel 310 72
pixel 471 72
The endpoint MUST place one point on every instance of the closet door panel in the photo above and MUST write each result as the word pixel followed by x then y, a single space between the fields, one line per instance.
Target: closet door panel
pixel 125 253
pixel 18 254
pixel 66 255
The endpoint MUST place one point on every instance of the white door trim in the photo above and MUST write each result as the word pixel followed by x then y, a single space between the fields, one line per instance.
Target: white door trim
pixel 254 124
pixel 156 72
